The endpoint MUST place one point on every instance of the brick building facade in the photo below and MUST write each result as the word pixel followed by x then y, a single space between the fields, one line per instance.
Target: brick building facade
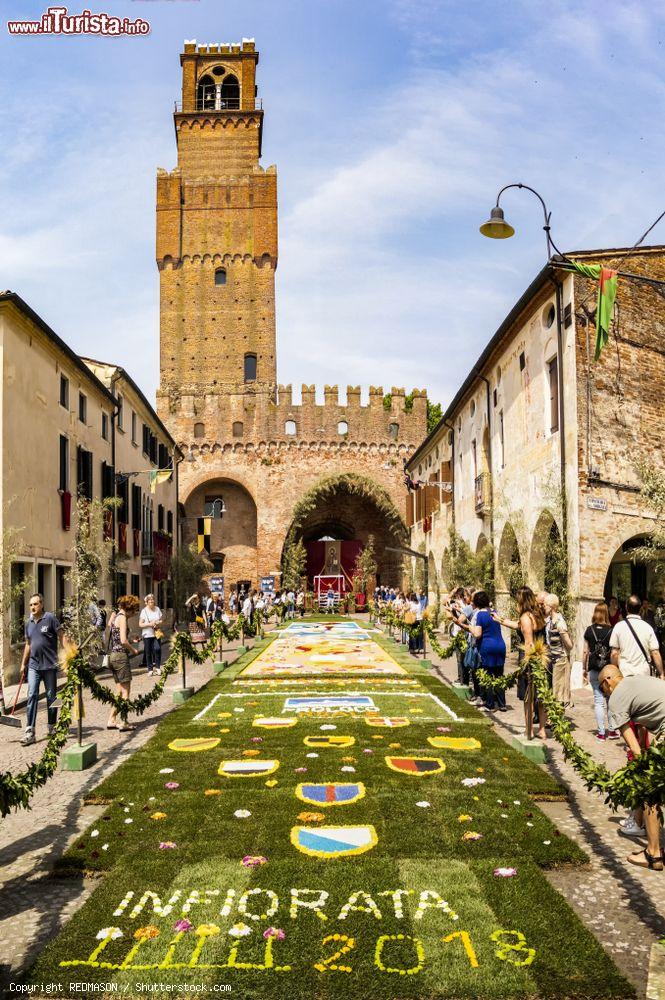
pixel 247 441
pixel 541 442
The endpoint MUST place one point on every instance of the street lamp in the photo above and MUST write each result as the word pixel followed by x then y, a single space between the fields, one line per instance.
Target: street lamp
pixel 496 227
pixel 222 507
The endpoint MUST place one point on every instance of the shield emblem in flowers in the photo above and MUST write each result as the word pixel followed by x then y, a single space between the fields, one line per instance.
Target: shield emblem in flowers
pixel 454 742
pixel 247 768
pixel 419 767
pixel 275 721
pixel 333 841
pixel 329 741
pixel 387 721
pixel 332 793
pixel 194 745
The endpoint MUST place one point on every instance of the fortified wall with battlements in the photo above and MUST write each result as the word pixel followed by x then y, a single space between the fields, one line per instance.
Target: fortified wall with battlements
pixel 249 441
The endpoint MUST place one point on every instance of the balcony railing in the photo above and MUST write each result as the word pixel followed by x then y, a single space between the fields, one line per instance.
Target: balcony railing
pixel 231 104
pixel 481 490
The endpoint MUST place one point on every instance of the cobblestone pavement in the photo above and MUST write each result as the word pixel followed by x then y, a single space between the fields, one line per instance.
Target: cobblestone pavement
pixel 34 905
pixel 622 905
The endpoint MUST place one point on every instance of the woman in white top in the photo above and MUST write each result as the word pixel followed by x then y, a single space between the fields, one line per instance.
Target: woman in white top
pixel 149 621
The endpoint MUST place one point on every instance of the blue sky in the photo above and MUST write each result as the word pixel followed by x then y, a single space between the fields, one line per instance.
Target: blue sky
pixel 392 123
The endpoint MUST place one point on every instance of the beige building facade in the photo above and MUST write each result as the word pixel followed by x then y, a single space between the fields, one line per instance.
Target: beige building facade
pixel 55 437
pixel 541 444
pixel 146 521
pixel 75 426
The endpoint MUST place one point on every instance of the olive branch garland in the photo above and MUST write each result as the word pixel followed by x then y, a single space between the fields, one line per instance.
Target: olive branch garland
pixel 640 781
pixel 390 617
pixel 16 790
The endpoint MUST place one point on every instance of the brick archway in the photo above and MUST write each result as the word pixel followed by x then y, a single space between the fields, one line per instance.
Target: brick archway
pixel 350 507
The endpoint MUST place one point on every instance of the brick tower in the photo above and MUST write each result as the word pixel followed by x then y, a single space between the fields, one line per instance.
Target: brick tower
pixel 248 440
pixel 217 232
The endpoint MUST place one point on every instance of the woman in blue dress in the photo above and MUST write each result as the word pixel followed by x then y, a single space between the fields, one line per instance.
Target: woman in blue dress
pixel 491 646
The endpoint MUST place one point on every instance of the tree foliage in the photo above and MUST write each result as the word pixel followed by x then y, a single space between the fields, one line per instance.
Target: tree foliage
pixel 187 568
pixel 294 564
pixel 464 568
pixel 365 568
pixel 89 573
pixel 653 493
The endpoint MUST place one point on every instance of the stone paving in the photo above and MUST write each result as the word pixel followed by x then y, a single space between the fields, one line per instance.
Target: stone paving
pixel 623 906
pixel 34 905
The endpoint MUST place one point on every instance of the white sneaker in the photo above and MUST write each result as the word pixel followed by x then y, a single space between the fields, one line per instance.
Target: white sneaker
pixel 28 739
pixel 630 828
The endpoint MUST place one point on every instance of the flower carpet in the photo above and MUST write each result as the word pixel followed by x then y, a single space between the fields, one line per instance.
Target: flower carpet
pixel 365 836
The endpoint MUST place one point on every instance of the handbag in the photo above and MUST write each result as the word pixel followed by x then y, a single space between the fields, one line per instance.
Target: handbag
pixel 159 634
pixel 410 618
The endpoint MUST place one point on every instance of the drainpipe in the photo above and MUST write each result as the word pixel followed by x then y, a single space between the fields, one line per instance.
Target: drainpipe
pixel 489 455
pixel 115 378
pixel 446 423
pixel 562 422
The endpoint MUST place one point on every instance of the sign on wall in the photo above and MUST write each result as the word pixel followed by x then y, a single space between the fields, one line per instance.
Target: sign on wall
pixel 267 584
pixel 217 584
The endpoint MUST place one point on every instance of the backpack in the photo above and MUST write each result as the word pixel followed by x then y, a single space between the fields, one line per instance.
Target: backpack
pixel 599 656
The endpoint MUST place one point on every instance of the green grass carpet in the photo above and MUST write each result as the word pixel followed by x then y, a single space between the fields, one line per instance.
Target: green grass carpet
pixel 420 914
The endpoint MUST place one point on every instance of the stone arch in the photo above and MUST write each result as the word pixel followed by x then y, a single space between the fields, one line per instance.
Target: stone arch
pixel 349 508
pixel 626 575
pixel 540 540
pixel 482 542
pixel 510 571
pixel 233 536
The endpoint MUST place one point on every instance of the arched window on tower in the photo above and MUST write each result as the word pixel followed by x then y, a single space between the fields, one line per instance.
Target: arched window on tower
pixel 205 94
pixel 393 430
pixel 290 428
pixel 199 430
pixel 250 368
pixel 238 429
pixel 230 93
pixel 342 427
pixel 220 276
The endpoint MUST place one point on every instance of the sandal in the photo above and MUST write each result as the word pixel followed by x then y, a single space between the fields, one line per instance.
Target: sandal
pixel 126 729
pixel 111 727
pixel 654 862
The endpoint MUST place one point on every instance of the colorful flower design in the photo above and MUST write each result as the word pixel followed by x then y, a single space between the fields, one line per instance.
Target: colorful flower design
pixel 274 932
pixel 112 933
pixel 240 930
pixel 167 845
pixel 464 818
pixel 253 861
pixel 182 926
pixel 242 814
pixel 213 791
pixel 472 835
pixel 310 817
pixel 172 785
pixel 158 816
pixel 146 933
pixel 505 872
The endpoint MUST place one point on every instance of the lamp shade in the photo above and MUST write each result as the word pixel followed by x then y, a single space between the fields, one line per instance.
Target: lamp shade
pixel 496 226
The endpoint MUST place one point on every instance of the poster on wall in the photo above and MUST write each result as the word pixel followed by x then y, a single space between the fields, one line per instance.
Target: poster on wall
pixel 267 584
pixel 216 585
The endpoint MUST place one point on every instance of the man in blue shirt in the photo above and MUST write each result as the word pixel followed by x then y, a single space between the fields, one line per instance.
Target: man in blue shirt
pixel 40 663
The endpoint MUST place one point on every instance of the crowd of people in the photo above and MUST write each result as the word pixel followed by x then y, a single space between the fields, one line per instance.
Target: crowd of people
pixel 123 641
pixel 622 661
